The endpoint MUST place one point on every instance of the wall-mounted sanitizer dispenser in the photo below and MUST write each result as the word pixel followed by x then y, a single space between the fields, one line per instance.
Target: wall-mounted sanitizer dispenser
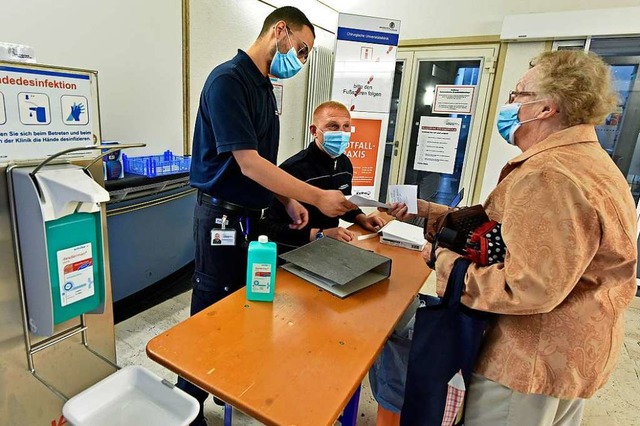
pixel 59 224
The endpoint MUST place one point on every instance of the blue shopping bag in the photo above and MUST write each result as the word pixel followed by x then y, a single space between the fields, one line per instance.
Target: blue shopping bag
pixel 446 340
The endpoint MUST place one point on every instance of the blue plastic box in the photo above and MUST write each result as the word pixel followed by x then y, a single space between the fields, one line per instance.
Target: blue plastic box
pixel 156 165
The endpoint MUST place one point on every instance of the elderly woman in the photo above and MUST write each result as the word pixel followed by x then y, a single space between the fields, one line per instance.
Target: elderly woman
pixel 569 226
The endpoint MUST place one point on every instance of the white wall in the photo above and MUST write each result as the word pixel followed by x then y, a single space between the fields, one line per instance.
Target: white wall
pixel 217 31
pixel 516 64
pixel 440 18
pixel 135 45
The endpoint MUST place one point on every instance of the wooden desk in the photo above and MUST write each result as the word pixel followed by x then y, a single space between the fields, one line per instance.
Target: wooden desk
pixel 298 360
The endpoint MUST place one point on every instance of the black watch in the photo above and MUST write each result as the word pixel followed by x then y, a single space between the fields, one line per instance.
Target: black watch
pixel 319 234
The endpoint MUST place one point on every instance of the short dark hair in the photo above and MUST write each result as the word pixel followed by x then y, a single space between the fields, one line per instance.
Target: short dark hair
pixel 293 16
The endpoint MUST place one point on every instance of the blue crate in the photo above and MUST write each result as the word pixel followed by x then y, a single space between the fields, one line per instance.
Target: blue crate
pixel 156 165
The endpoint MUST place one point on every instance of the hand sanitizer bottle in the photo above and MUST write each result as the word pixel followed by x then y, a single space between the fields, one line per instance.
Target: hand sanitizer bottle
pixel 261 270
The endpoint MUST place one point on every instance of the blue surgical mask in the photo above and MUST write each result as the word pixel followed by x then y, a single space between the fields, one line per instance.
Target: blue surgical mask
pixel 335 143
pixel 285 65
pixel 508 121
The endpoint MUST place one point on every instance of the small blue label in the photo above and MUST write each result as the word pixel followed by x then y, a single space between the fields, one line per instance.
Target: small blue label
pixel 364 36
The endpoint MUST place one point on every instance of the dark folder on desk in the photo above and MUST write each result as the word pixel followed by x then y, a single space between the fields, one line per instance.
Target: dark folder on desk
pixel 337 267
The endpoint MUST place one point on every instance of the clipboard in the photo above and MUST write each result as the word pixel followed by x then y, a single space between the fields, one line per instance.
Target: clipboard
pixel 339 268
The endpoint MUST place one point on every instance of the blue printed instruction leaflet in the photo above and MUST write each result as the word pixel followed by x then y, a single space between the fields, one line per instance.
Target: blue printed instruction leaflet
pixel 44 111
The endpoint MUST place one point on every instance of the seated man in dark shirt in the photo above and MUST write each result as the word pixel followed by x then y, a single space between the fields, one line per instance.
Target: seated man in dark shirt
pixel 322 164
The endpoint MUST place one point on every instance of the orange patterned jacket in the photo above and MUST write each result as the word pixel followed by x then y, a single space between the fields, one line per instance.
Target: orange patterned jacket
pixel 569 224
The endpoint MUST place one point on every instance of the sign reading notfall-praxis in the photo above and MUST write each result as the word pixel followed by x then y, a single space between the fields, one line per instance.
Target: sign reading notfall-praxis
pixel 437 144
pixel 363 153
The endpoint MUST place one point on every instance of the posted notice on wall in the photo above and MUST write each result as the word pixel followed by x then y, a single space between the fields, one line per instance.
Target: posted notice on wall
pixel 43 111
pixel 363 151
pixel 75 273
pixel 437 144
pixel 449 99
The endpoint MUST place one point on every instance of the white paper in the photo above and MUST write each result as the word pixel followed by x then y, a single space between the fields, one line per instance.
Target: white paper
pixel 366 202
pixel 367 236
pixel 450 99
pixel 17 53
pixel 403 232
pixel 437 144
pixel 405 194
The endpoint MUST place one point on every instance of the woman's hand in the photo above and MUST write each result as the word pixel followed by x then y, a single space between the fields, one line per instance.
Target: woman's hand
pixel 399 211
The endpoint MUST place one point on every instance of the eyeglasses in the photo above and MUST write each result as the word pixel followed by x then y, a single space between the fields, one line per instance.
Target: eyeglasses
pixel 303 52
pixel 513 94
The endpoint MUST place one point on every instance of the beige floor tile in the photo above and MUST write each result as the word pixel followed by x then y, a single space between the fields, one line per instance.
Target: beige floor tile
pixel 600 420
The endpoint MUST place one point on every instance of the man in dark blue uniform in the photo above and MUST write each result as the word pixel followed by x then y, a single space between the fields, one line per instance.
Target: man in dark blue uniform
pixel 322 164
pixel 235 146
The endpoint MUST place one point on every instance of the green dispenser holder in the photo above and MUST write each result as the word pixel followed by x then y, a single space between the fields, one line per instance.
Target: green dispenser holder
pixel 59 224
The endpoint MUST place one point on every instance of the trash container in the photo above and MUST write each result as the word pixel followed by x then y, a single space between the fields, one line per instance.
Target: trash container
pixel 131 396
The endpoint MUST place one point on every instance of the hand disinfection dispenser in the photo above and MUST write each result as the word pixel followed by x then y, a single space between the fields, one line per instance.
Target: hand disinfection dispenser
pixel 59 224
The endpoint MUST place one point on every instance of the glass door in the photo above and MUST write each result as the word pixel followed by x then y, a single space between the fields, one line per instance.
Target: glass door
pixel 619 135
pixel 443 117
pixel 392 145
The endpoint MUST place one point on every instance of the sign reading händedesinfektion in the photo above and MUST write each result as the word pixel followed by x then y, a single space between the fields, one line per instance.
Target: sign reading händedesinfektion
pixel 44 111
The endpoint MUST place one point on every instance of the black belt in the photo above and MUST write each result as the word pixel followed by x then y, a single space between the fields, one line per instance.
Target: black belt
pixel 232 208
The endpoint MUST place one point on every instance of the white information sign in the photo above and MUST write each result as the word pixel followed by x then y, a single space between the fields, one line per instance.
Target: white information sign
pixel 437 144
pixel 44 111
pixel 75 272
pixel 450 99
pixel 365 62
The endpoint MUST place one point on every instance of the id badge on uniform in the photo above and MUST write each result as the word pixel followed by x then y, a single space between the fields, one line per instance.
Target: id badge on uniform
pixel 223 237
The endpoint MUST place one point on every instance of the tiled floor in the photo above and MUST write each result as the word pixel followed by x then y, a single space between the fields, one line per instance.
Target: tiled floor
pixel 617 404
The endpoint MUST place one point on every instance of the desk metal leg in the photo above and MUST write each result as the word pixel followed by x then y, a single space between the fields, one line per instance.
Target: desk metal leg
pixel 350 414
pixel 228 414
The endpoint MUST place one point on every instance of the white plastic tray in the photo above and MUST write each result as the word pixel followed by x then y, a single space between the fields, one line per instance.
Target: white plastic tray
pixel 131 396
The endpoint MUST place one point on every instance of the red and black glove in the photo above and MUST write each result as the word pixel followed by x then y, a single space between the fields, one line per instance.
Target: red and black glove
pixel 485 245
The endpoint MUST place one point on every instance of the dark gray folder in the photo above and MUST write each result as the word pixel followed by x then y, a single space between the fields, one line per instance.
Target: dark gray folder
pixel 339 268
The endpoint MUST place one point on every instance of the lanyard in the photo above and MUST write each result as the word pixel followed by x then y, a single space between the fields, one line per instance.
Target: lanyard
pixel 244 229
